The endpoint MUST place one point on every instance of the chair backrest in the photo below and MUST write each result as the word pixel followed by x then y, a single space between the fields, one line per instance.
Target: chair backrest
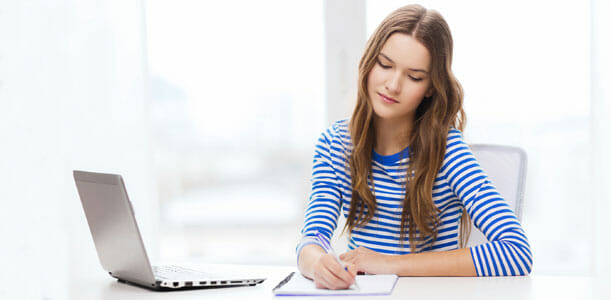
pixel 506 168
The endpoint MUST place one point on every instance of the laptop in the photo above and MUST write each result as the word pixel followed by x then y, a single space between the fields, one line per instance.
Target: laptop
pixel 119 244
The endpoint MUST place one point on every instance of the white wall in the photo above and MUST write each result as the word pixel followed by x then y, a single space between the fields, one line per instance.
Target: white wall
pixel 72 96
pixel 601 128
pixel 345 38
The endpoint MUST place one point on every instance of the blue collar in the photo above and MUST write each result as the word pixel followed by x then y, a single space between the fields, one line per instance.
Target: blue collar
pixel 391 159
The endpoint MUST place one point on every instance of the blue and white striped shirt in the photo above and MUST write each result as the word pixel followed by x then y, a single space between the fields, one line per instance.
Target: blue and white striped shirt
pixel 460 182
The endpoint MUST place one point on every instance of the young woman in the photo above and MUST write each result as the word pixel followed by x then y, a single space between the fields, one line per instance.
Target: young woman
pixel 401 173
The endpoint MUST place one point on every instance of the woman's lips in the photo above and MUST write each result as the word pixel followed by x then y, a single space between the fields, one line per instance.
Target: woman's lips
pixel 387 99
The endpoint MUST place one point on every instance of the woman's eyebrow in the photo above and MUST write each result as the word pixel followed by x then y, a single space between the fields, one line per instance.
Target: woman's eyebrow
pixel 411 69
pixel 388 58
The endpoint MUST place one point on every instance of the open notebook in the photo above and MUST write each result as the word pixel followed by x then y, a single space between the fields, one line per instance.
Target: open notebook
pixel 297 285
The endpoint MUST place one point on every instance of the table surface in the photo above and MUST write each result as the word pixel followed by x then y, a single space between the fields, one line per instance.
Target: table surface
pixel 523 287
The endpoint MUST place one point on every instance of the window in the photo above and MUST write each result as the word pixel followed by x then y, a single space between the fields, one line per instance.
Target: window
pixel 236 106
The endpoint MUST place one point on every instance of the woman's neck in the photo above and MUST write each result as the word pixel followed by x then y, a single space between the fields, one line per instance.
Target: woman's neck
pixel 392 135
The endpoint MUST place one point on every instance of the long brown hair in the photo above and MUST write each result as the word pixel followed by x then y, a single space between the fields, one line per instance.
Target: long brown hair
pixel 427 142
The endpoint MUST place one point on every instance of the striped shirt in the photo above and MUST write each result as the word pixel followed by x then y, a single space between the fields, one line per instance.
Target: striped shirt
pixel 460 183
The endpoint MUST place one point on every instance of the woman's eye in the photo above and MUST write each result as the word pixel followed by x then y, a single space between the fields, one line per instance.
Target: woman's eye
pixel 383 65
pixel 415 78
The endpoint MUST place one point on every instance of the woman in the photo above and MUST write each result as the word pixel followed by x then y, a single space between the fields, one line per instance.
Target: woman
pixel 401 173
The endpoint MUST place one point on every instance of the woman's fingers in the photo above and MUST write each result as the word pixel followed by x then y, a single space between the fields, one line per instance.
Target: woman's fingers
pixel 321 281
pixel 326 279
pixel 330 274
pixel 335 281
pixel 347 257
pixel 352 269
pixel 334 267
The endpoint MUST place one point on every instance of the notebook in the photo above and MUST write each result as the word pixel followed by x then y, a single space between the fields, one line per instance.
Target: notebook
pixel 368 285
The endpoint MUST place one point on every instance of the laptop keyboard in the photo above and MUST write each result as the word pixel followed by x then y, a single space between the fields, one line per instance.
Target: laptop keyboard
pixel 180 273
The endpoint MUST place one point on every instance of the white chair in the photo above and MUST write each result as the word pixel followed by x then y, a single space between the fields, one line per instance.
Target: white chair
pixel 506 168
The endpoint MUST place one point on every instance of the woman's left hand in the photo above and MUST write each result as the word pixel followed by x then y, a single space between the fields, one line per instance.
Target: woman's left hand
pixel 368 261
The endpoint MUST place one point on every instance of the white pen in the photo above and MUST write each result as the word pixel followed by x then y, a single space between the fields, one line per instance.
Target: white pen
pixel 327 247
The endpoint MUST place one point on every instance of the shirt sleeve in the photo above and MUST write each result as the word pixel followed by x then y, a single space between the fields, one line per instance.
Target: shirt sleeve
pixel 508 251
pixel 324 205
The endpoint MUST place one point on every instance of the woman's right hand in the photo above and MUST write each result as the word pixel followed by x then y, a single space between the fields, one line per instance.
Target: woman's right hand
pixel 327 273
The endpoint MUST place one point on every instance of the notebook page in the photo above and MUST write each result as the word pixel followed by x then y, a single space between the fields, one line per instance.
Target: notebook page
pixel 297 285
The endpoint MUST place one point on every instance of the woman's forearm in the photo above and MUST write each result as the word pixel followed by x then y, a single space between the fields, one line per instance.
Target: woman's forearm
pixel 446 263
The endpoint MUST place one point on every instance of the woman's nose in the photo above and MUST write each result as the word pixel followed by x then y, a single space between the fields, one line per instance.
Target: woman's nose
pixel 393 84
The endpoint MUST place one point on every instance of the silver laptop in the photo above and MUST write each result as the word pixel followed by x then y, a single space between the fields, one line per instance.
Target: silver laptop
pixel 119 245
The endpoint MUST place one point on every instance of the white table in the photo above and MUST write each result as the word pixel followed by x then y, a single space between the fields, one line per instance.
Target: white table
pixel 525 287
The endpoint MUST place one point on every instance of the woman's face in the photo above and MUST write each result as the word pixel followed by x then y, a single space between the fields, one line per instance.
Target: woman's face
pixel 400 78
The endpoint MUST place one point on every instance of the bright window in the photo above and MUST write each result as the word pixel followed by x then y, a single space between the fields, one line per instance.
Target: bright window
pixel 236 106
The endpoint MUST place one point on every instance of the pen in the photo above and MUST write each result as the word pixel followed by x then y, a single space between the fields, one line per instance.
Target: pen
pixel 327 247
